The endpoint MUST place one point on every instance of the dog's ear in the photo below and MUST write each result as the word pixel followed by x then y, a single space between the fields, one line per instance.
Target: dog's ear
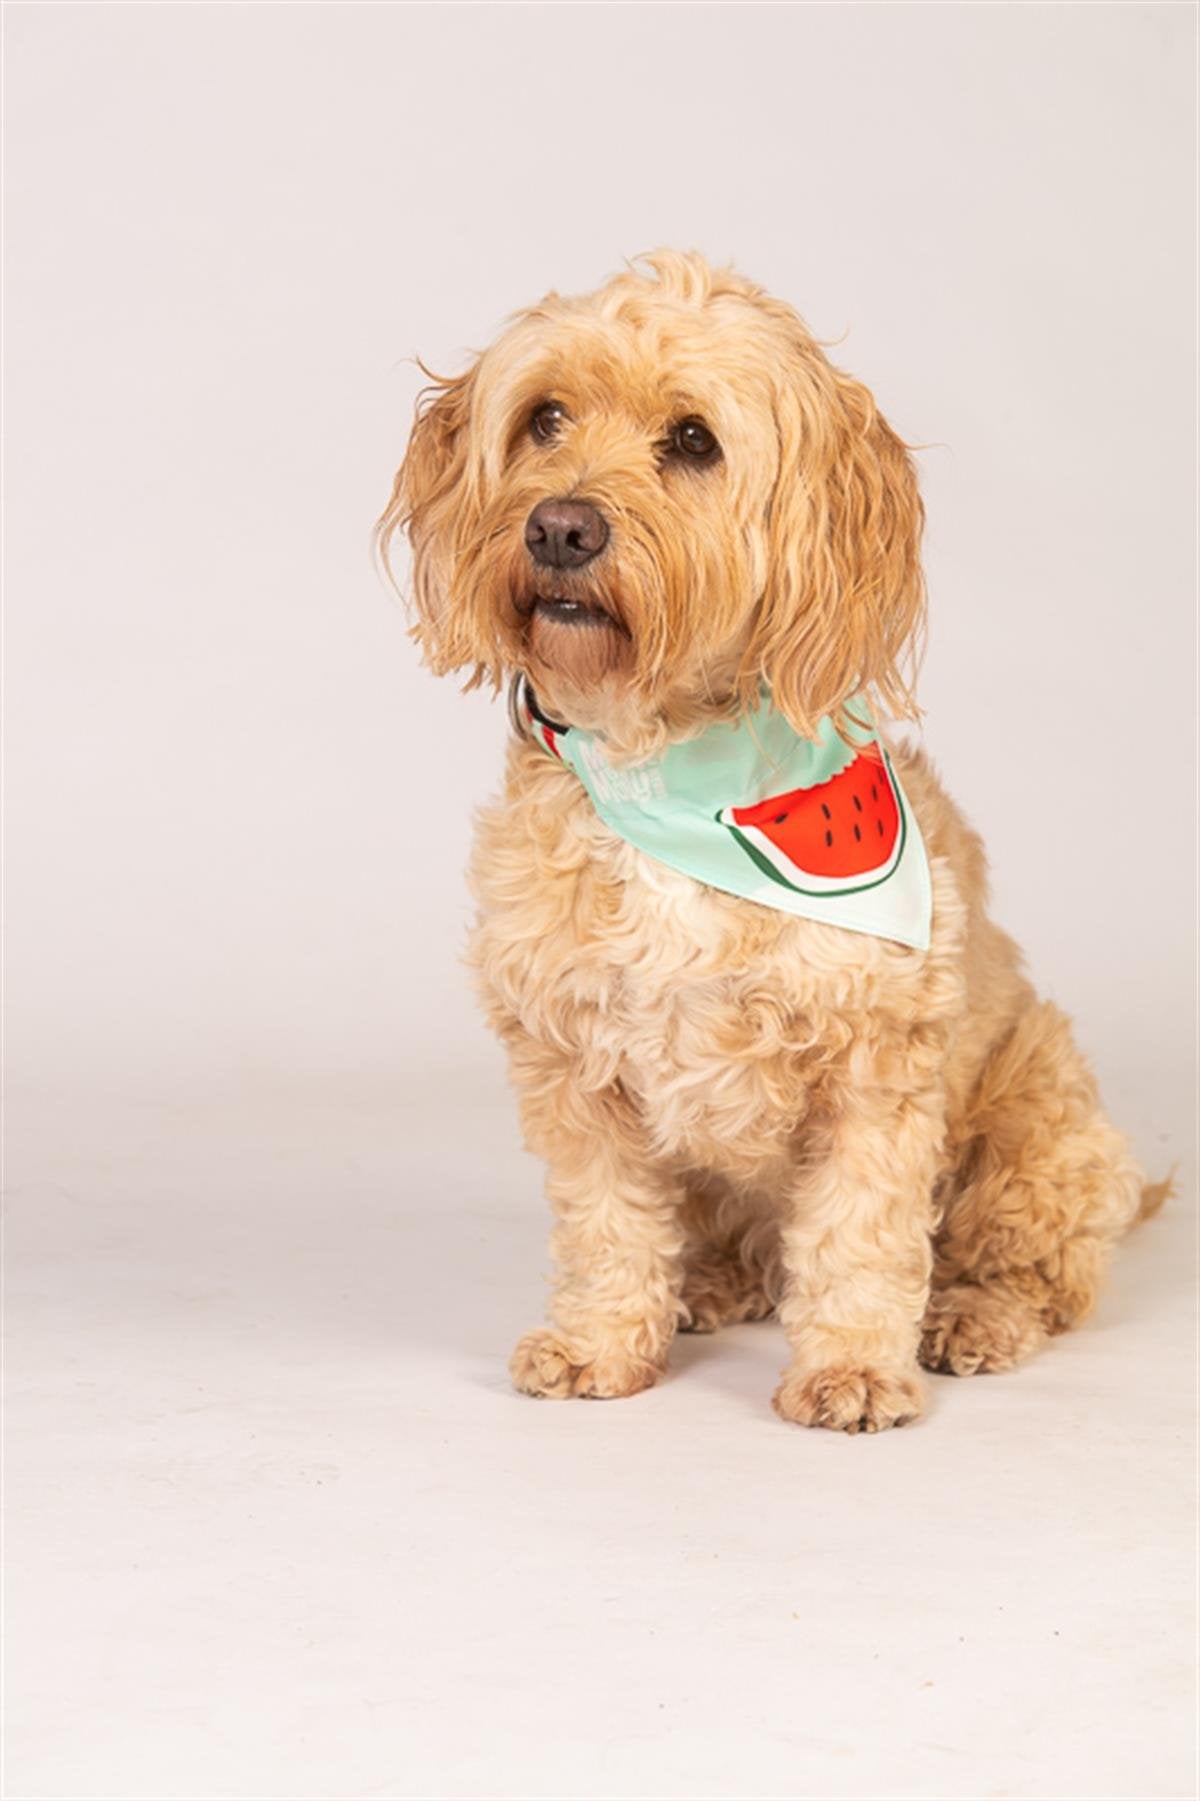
pixel 432 496
pixel 844 600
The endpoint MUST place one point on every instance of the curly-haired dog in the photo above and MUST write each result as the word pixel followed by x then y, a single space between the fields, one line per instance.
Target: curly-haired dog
pixel 661 508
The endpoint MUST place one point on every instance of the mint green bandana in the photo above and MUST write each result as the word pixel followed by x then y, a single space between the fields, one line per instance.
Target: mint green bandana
pixel 819 828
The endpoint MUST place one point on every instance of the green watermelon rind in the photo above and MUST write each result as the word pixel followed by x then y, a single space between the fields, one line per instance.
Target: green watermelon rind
pixel 769 869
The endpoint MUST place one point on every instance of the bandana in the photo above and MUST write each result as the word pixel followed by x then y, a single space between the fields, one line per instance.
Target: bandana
pixel 817 828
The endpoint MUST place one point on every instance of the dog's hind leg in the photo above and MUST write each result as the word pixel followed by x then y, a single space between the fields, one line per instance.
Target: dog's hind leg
pixel 732 1267
pixel 1044 1186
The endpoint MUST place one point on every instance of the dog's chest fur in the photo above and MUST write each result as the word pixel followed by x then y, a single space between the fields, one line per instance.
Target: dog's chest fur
pixel 731 1027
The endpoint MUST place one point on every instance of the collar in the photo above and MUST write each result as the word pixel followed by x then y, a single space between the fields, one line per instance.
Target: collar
pixel 818 828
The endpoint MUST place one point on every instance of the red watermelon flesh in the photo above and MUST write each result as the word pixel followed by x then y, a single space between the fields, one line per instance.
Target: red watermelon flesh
pixel 848 826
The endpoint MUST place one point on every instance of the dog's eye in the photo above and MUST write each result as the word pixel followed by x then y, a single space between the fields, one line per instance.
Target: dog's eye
pixel 547 421
pixel 692 439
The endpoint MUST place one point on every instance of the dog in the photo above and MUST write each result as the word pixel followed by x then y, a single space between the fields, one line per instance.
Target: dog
pixel 662 514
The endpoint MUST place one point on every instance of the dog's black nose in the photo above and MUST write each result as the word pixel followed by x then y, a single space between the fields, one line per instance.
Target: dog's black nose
pixel 565 534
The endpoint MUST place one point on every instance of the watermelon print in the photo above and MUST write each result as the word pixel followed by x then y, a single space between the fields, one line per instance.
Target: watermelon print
pixel 838 837
pixel 836 842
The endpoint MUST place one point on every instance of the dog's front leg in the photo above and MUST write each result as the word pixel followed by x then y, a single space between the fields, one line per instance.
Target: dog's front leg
pixel 617 1245
pixel 857 1251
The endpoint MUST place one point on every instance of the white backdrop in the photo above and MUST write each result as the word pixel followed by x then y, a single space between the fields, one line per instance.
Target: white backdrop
pixel 276 1524
pixel 229 226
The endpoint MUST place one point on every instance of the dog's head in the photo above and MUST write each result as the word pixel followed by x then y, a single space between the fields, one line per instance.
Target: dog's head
pixel 654 499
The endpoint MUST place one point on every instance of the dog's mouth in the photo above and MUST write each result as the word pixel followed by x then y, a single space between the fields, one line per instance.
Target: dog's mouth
pixel 585 610
pixel 582 611
pixel 564 606
pixel 577 634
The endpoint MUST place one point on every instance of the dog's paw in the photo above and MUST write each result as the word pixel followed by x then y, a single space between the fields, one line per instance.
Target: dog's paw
pixel 848 1399
pixel 542 1365
pixel 969 1330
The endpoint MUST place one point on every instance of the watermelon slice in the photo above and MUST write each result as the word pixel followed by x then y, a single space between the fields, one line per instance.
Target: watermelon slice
pixel 837 838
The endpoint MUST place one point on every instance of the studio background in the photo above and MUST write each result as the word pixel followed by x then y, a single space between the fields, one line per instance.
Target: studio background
pixel 277 1525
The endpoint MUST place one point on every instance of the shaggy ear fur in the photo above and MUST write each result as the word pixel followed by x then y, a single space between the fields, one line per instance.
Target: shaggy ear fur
pixel 431 498
pixel 845 597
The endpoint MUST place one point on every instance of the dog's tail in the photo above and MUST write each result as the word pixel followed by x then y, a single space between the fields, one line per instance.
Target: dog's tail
pixel 1154 1197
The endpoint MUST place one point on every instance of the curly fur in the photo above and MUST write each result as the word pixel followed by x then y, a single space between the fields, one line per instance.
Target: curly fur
pixel 900 1153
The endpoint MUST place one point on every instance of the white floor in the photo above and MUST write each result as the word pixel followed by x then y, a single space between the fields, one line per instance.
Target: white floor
pixel 278 1527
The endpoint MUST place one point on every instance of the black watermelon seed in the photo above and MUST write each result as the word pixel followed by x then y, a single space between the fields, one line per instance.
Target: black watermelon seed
pixel 857 804
pixel 858 834
pixel 779 818
pixel 826 811
pixel 829 837
pixel 879 827
pixel 874 792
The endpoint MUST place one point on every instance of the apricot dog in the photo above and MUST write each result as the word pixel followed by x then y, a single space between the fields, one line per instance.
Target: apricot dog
pixel 653 504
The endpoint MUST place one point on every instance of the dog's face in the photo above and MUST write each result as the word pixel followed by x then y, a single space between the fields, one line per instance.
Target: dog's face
pixel 656 498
